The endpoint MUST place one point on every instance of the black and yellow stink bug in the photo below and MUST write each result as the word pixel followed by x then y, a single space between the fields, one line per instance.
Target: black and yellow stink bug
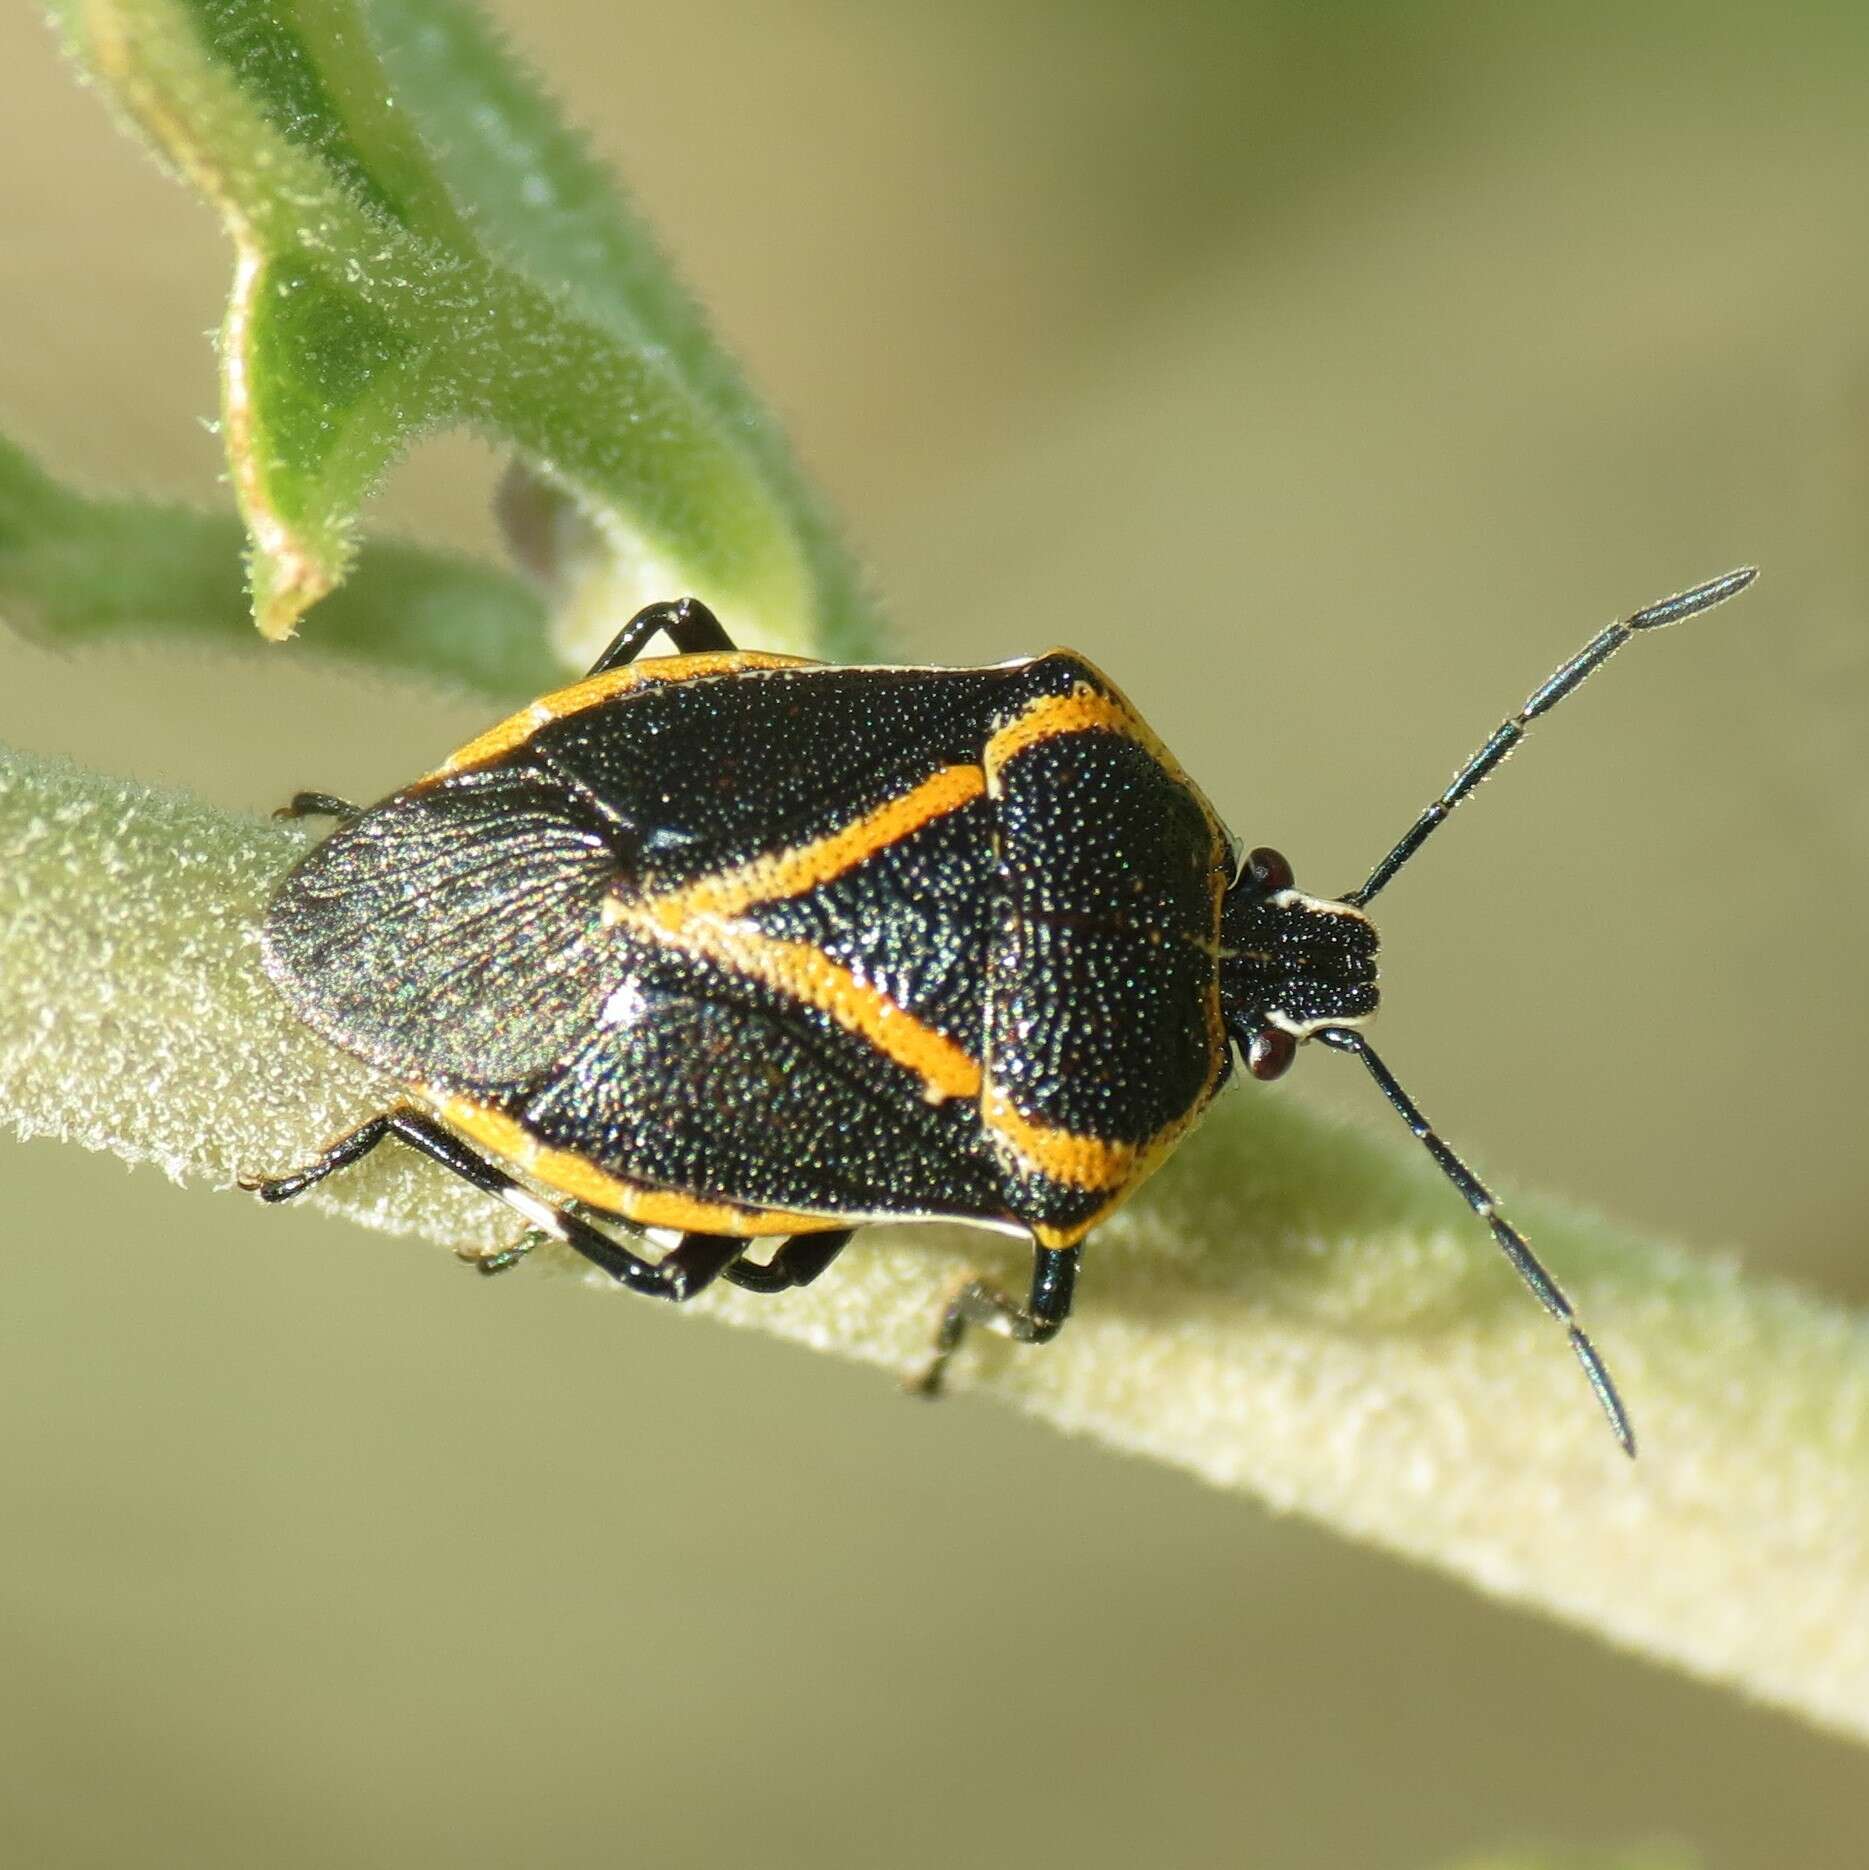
pixel 744 946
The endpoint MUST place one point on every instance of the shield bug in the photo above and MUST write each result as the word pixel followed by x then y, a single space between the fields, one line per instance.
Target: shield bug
pixel 749 948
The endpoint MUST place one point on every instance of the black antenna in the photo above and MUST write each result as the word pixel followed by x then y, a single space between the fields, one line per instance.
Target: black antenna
pixel 1479 1198
pixel 1585 663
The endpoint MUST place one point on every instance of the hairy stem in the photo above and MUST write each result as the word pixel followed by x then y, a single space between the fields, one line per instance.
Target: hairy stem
pixel 1291 1309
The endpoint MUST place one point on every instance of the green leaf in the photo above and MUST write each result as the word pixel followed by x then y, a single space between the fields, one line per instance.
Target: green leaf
pixel 381 294
pixel 1291 1308
pixel 536 196
pixel 79 568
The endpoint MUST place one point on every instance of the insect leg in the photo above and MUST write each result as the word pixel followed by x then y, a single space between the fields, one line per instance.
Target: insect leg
pixel 316 805
pixel 688 1267
pixel 689 624
pixel 506 1258
pixel 694 1263
pixel 1037 1321
pixel 685 1270
pixel 341 1154
pixel 797 1263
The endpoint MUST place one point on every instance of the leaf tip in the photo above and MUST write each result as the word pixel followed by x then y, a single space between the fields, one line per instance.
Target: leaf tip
pixel 286 582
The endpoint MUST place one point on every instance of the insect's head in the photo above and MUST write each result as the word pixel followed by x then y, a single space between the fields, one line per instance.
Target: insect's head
pixel 1290 964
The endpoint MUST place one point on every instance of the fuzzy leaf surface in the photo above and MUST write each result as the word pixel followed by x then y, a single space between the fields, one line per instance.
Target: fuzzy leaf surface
pixel 1291 1309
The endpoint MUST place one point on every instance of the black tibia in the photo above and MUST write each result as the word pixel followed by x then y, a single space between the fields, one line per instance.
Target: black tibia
pixel 1037 1321
pixel 689 625
pixel 692 1264
pixel 317 805
pixel 797 1263
pixel 695 1262
pixel 684 1270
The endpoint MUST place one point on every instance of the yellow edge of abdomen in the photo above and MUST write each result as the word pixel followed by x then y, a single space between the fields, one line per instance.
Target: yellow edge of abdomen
pixel 565 1172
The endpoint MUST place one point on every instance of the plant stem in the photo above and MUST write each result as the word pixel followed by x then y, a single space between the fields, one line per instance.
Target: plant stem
pixel 1291 1309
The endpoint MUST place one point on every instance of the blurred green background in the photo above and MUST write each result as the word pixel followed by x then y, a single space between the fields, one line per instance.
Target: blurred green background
pixel 1327 373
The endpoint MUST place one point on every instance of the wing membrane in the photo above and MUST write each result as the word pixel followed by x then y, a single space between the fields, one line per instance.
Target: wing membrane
pixel 454 931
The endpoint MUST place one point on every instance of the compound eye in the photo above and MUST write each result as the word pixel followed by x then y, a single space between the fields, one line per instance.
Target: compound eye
pixel 1269 870
pixel 1270 1052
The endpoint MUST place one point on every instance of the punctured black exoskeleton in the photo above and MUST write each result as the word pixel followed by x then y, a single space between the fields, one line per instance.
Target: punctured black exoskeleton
pixel 745 946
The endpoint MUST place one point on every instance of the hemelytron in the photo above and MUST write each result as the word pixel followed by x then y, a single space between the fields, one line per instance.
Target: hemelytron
pixel 749 947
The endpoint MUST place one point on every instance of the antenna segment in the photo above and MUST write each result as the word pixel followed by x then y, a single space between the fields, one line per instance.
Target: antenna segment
pixel 1564 681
